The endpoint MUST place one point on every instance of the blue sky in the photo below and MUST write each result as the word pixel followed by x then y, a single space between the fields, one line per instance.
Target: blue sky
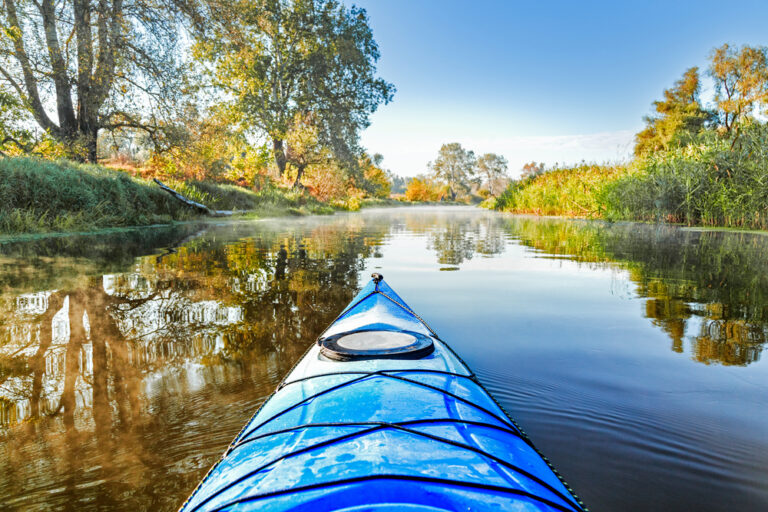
pixel 551 81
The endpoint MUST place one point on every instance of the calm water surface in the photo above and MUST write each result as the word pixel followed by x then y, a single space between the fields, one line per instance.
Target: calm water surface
pixel 632 354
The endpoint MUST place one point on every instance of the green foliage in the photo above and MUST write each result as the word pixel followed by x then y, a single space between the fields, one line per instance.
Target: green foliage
pixel 573 192
pixel 287 60
pixel 708 183
pixel 679 117
pixel 210 147
pixel 39 196
pixel 79 67
pixel 13 137
pixel 693 165
pixel 377 181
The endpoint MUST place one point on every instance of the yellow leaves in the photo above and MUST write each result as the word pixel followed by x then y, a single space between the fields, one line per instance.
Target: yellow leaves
pixel 423 189
pixel 741 80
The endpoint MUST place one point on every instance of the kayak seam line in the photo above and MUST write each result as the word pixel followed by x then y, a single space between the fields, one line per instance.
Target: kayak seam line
pixel 365 423
pixel 412 312
pixel 403 370
pixel 426 479
pixel 374 292
pixel 382 426
pixel 532 445
pixel 514 423
pixel 381 373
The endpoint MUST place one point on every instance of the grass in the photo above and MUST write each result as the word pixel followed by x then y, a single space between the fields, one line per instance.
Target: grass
pixel 711 182
pixel 40 196
pixel 569 192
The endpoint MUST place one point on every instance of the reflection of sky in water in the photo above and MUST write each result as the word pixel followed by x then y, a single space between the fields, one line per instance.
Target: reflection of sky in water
pixel 632 354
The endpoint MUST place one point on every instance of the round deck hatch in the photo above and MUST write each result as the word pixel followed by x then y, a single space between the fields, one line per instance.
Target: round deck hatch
pixel 356 345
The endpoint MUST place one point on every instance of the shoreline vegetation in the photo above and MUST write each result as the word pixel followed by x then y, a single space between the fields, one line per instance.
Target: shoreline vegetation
pixel 254 107
pixel 39 196
pixel 260 112
pixel 694 164
pixel 45 197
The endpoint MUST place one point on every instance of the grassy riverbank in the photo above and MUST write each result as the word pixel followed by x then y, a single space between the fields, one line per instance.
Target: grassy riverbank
pixel 569 192
pixel 38 196
pixel 712 182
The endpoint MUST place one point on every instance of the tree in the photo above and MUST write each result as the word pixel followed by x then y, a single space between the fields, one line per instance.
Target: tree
pixel 741 83
pixel 12 134
pixel 678 116
pixel 493 168
pixel 103 64
pixel 422 188
pixel 376 180
pixel 398 183
pixel 454 166
pixel 304 148
pixel 531 170
pixel 294 58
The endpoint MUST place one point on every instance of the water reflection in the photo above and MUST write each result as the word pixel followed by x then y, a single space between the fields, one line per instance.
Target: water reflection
pixel 709 287
pixel 128 362
pixel 112 354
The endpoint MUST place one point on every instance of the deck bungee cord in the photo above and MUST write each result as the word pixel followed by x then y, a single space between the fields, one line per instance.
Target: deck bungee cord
pixel 379 377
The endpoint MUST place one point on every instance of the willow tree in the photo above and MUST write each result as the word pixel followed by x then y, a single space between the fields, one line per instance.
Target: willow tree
pixel 80 66
pixel 283 60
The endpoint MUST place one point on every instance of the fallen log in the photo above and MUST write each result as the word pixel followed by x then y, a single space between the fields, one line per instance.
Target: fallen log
pixel 193 204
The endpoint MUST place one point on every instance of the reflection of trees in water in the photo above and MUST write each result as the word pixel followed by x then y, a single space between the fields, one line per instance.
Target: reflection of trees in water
pixel 458 238
pixel 709 287
pixel 102 379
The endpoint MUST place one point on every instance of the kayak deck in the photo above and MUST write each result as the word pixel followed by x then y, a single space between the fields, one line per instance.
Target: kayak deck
pixel 381 434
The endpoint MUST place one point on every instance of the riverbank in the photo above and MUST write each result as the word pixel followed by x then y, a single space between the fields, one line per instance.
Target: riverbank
pixel 42 196
pixel 716 182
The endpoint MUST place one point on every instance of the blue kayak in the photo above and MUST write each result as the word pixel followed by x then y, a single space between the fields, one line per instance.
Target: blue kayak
pixel 380 414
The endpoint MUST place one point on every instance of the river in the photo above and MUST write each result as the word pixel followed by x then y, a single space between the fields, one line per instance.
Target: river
pixel 631 354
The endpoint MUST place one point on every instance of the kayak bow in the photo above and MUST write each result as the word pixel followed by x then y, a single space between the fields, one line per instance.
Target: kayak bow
pixel 380 414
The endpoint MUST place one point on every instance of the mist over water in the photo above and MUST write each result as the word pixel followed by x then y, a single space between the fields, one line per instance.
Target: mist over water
pixel 631 354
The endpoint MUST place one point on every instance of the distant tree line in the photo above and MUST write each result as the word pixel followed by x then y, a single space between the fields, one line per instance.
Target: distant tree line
pixel 457 174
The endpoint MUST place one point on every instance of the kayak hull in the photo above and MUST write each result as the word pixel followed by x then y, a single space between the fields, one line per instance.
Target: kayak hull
pixel 381 434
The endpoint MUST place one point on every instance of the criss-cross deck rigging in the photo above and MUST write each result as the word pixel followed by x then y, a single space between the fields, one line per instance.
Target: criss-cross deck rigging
pixel 380 413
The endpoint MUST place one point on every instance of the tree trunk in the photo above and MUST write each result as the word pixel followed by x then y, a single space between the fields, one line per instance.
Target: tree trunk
pixel 299 174
pixel 91 133
pixel 279 151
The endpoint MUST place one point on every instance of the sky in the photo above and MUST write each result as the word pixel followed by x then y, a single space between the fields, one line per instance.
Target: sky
pixel 550 81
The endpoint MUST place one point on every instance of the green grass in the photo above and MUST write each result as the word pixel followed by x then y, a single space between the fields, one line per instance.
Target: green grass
pixel 711 182
pixel 40 196
pixel 569 192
